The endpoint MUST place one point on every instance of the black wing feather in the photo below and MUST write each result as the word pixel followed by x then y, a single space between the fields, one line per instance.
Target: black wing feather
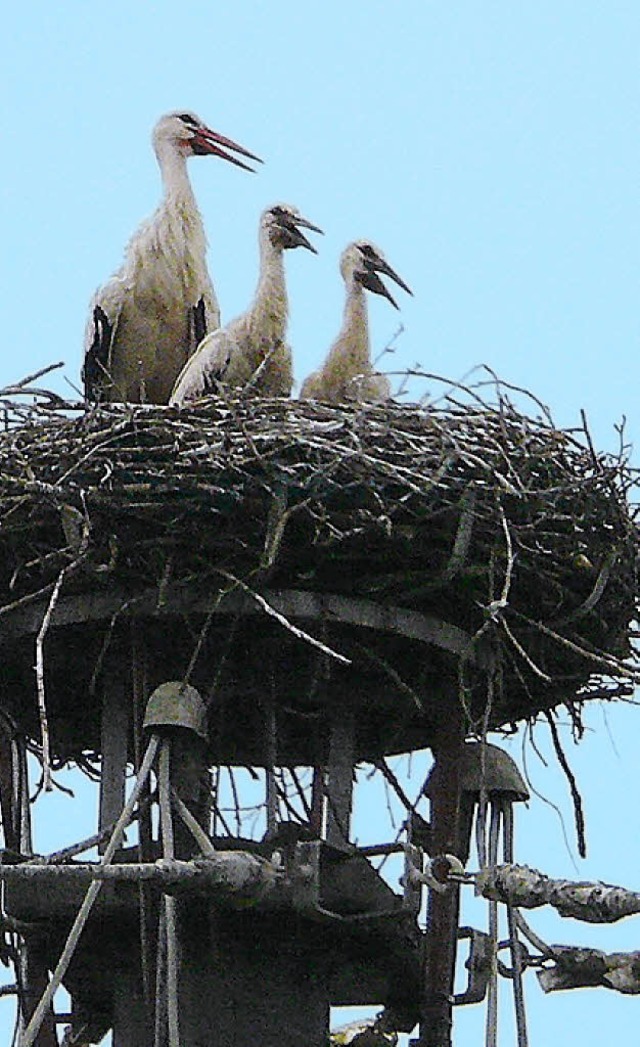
pixel 199 322
pixel 97 357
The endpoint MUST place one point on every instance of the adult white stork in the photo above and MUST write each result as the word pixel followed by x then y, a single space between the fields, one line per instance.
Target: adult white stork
pixel 250 353
pixel 347 373
pixel 150 316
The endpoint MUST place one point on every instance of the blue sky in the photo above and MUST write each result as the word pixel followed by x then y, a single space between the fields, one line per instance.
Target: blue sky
pixel 491 150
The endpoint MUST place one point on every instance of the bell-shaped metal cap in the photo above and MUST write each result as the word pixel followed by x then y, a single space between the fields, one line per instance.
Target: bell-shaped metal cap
pixel 177 704
pixel 501 774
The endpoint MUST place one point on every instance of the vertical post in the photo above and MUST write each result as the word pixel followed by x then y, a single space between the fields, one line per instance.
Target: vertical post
pixel 340 778
pixel 8 805
pixel 443 909
pixel 34 978
pixel 316 822
pixel 176 710
pixel 114 747
pixel 17 831
pixel 191 780
pixel 271 756
pixel 139 695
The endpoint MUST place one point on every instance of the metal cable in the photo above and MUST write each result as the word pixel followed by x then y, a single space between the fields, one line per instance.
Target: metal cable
pixel 491 1029
pixel 170 904
pixel 516 959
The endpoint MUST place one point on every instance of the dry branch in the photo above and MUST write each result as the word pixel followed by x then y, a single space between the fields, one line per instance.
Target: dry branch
pixel 464 510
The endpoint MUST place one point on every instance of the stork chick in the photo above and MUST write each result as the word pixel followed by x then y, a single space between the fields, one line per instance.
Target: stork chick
pixel 347 373
pixel 250 353
pixel 149 317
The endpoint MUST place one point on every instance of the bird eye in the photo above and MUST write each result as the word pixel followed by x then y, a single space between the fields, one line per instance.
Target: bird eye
pixel 188 119
pixel 278 211
pixel 367 250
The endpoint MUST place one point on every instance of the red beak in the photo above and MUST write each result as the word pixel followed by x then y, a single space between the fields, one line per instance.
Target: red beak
pixel 206 142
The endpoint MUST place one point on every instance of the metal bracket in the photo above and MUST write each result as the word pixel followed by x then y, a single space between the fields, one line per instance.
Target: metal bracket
pixel 478 963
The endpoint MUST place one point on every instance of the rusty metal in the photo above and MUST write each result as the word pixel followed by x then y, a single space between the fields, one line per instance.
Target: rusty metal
pixel 443 909
pixel 484 767
pixel 176 704
pixel 478 964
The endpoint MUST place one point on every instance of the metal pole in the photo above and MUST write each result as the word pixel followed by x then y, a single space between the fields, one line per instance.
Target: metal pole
pixel 491 1030
pixel 443 909
pixel 170 904
pixel 516 958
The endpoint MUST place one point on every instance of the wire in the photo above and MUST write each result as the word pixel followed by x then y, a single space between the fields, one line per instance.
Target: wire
pixel 170 903
pixel 516 959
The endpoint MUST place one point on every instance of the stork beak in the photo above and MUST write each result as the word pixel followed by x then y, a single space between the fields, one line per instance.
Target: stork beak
pixel 206 142
pixel 370 279
pixel 384 267
pixel 296 238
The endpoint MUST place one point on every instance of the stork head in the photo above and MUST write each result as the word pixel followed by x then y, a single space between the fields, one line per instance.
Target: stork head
pixel 281 223
pixel 362 261
pixel 187 133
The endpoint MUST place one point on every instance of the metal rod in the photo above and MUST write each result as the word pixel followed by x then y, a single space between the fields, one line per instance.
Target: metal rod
pixel 443 909
pixel 270 758
pixel 316 820
pixel 168 850
pixel 491 1034
pixel 481 828
pixel 516 959
pixel 339 780
pixel 139 690
pixel 26 840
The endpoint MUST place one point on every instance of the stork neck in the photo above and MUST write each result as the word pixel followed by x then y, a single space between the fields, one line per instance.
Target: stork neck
pixel 355 322
pixel 173 168
pixel 271 282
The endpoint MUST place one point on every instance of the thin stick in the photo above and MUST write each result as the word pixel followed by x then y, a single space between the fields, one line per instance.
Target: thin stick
pixel 73 937
pixel 193 825
pixel 271 611
pixel 391 779
pixel 301 793
pixel 56 857
pixel 37 374
pixel 577 799
pixel 39 667
pixel 523 654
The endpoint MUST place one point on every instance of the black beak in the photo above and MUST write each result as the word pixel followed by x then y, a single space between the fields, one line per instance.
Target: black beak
pixel 369 278
pixel 293 237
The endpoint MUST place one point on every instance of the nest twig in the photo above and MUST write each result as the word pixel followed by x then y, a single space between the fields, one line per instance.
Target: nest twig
pixel 436 507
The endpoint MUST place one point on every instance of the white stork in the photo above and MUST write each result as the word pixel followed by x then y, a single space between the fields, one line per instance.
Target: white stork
pixel 150 316
pixel 347 373
pixel 250 352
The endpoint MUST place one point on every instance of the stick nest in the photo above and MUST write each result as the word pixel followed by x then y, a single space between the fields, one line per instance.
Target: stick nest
pixel 502 524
